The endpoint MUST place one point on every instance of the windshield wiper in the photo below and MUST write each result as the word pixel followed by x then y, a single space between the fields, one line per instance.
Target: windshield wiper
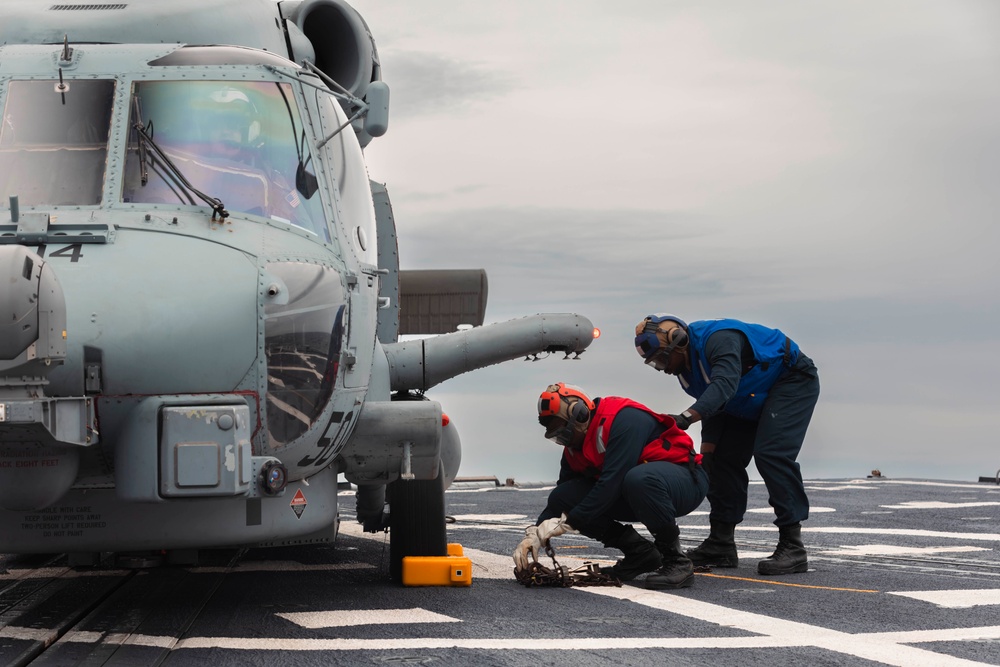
pixel 143 171
pixel 305 182
pixel 146 144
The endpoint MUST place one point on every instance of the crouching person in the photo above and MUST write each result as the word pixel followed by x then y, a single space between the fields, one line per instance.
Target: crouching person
pixel 621 462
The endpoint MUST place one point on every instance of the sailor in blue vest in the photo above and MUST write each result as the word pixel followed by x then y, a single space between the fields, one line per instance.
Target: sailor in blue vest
pixel 754 393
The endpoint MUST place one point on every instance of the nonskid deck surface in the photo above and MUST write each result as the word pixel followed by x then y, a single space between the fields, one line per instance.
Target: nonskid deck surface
pixel 902 572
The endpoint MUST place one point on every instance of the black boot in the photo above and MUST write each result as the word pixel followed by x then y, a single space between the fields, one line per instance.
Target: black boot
pixel 790 555
pixel 677 570
pixel 640 554
pixel 718 549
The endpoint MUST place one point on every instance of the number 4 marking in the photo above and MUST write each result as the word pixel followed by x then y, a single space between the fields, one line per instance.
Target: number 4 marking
pixel 74 252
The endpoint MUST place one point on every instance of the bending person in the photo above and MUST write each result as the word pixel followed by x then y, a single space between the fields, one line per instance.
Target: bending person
pixel 621 462
pixel 755 392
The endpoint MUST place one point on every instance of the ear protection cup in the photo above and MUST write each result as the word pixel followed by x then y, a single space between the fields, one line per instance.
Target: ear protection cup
pixel 566 402
pixel 579 412
pixel 676 337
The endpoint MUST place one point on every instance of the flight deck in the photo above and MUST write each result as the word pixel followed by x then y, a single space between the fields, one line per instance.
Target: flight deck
pixel 901 572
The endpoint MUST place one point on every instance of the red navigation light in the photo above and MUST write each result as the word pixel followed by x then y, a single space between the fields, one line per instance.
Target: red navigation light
pixel 597 332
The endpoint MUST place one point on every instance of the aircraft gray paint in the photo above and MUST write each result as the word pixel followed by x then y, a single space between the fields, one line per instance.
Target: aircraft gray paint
pixel 201 303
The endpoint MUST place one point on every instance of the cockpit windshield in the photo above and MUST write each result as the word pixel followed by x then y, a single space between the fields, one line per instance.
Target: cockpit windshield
pixel 54 141
pixel 239 142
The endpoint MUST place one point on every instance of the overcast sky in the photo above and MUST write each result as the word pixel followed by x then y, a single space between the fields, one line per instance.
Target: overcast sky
pixel 827 168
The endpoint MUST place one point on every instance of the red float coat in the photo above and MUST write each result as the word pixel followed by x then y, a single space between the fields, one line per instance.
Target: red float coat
pixel 673 445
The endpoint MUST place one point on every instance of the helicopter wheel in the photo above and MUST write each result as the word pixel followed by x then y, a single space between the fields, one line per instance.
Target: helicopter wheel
pixel 416 521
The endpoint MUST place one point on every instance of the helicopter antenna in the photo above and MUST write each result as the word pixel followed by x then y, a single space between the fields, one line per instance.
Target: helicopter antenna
pixel 67 53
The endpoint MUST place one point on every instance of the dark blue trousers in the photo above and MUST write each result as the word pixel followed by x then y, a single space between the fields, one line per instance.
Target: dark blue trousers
pixel 654 494
pixel 773 442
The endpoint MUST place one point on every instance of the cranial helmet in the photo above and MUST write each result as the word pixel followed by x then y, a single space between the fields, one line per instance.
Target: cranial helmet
pixel 233 109
pixel 564 410
pixel 658 335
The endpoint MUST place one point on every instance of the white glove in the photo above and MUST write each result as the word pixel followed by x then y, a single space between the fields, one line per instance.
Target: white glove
pixel 530 544
pixel 554 528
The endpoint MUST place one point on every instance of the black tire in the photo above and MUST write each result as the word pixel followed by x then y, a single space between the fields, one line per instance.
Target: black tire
pixel 416 521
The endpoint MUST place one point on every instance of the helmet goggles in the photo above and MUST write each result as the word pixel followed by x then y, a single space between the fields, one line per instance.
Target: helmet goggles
pixel 563 410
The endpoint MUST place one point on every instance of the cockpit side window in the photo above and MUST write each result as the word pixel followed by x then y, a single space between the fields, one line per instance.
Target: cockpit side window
pixel 303 339
pixel 54 141
pixel 356 213
pixel 240 142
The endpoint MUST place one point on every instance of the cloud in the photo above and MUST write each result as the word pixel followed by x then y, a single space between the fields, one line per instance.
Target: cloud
pixel 434 83
pixel 826 168
pixel 559 258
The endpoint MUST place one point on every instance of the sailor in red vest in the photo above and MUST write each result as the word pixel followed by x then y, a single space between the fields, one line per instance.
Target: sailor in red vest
pixel 621 462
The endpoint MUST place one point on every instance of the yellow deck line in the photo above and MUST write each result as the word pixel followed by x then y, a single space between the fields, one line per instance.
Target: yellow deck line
pixel 782 583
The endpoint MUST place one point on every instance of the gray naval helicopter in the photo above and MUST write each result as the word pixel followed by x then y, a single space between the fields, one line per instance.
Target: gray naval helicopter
pixel 201 303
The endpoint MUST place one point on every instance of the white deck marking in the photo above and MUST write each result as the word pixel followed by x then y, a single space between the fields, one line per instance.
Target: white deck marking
pixel 348 617
pixel 154 641
pixel 886 642
pixel 893 550
pixel 913 483
pixel 82 637
pixel 889 648
pixel 31 634
pixel 955 599
pixel 486 565
pixel 852 530
pixel 487 644
pixel 937 505
pixel 988 632
pixel 869 646
pixel 777 632
pixel 501 528
pixel 874 482
pixel 770 510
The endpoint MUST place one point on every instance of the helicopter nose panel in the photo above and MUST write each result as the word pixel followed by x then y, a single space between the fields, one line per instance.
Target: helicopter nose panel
pixel 32 314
